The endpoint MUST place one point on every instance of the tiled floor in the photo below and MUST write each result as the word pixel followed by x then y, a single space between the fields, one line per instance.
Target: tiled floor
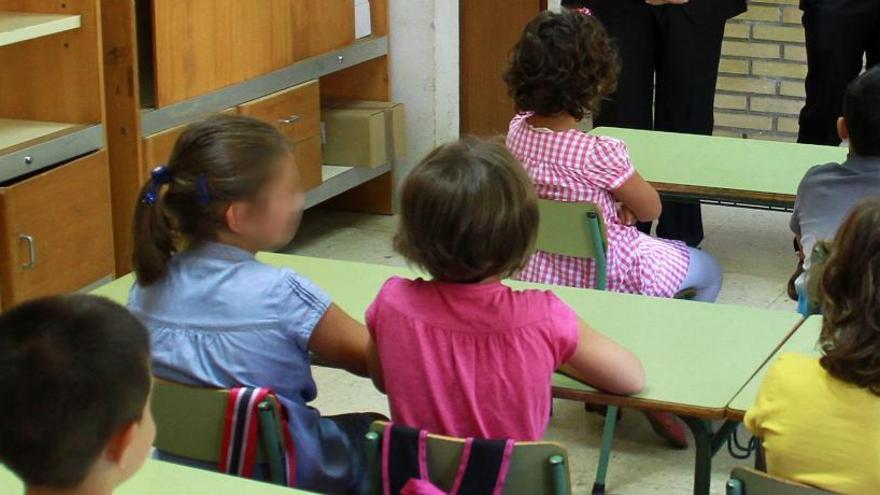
pixel 754 247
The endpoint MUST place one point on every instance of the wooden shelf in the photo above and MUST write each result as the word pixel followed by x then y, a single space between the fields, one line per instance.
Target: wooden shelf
pixel 14 132
pixel 27 145
pixel 337 180
pixel 22 26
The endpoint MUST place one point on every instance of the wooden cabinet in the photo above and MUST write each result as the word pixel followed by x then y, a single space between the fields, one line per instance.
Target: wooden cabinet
pixel 201 46
pixel 55 214
pixel 296 112
pixel 56 231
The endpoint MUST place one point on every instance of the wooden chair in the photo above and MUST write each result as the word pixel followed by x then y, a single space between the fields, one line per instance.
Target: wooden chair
pixel 189 423
pixel 536 468
pixel 745 481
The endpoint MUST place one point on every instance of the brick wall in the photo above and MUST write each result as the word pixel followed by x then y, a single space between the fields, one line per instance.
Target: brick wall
pixel 761 76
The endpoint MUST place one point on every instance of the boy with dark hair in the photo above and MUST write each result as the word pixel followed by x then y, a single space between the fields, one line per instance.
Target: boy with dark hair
pixel 828 192
pixel 75 376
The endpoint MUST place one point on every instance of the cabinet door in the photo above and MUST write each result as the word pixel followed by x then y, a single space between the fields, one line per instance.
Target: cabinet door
pixel 201 46
pixel 56 231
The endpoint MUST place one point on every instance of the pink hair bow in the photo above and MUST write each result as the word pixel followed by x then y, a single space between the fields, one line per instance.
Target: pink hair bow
pixel 584 11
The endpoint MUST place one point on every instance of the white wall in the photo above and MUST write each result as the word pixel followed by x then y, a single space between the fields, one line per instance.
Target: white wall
pixel 425 73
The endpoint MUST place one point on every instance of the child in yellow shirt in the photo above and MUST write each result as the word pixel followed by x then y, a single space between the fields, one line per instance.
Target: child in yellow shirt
pixel 819 418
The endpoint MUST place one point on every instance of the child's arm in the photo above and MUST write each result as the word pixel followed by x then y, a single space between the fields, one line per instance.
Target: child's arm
pixel 605 364
pixel 341 341
pixel 375 366
pixel 639 197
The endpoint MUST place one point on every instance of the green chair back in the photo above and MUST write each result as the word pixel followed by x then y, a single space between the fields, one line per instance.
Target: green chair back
pixel 189 423
pixel 536 468
pixel 745 481
pixel 573 229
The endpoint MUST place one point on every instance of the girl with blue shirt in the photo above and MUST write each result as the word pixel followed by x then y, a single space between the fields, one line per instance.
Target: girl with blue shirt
pixel 220 318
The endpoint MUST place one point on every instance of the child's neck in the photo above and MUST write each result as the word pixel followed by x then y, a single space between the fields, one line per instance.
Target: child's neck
pixel 89 487
pixel 559 123
pixel 237 241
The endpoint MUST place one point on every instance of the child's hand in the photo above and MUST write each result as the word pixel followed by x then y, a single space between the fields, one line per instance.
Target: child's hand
pixel 625 216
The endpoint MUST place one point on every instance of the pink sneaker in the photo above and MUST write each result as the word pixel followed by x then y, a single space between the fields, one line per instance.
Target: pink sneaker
pixel 668 427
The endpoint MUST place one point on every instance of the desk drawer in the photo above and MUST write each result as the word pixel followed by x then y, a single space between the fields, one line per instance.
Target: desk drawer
pixel 296 112
pixel 56 233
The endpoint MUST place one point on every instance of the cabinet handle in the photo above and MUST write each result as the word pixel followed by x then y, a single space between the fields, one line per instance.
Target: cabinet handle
pixel 32 252
pixel 293 119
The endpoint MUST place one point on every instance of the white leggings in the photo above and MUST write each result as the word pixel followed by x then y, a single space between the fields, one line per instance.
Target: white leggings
pixel 704 275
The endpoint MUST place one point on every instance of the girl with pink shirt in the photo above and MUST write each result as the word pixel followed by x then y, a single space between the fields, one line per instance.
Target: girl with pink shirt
pixel 462 354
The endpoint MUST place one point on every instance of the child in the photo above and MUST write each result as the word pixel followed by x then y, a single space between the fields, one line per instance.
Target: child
pixel 462 354
pixel 220 318
pixel 828 192
pixel 75 375
pixel 561 68
pixel 817 417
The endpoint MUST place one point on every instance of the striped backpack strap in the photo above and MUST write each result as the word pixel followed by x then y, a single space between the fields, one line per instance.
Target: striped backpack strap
pixel 241 434
pixel 289 447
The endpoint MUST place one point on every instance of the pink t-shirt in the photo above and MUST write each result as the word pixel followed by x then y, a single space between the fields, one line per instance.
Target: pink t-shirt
pixel 470 360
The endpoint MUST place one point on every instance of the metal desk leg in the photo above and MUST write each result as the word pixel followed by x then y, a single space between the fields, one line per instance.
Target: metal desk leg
pixel 605 452
pixel 707 443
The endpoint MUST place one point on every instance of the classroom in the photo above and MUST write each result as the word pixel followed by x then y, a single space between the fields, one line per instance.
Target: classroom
pixel 437 247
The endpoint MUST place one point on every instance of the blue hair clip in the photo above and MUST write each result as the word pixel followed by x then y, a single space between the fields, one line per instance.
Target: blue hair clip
pixel 158 177
pixel 204 194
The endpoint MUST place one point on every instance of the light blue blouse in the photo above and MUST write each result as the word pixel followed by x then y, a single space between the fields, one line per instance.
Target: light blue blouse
pixel 221 318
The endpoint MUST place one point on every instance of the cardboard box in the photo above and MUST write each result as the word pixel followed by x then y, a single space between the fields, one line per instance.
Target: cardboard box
pixel 363 24
pixel 363 133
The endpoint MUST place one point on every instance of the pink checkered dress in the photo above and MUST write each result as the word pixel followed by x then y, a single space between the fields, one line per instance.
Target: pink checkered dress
pixel 575 166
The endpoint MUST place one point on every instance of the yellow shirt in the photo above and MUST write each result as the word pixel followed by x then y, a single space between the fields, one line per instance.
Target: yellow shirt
pixel 816 429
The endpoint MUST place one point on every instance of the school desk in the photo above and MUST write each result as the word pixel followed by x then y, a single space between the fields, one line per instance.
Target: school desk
pixel 697 356
pixel 722 170
pixel 804 340
pixel 157 477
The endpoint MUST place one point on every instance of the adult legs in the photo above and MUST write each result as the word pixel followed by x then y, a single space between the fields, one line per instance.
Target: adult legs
pixel 631 106
pixel 687 73
pixel 838 35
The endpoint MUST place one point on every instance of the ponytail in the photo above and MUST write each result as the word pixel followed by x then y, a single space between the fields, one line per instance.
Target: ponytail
pixel 153 238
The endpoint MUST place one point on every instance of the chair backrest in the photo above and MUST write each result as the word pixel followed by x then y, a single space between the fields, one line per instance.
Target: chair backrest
pixel 189 421
pixel 745 481
pixel 536 468
pixel 573 229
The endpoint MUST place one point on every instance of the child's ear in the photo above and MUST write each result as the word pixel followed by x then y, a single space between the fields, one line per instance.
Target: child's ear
pixel 120 442
pixel 842 130
pixel 236 215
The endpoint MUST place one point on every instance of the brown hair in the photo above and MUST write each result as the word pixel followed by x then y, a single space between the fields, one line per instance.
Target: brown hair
pixel 563 62
pixel 849 294
pixel 468 212
pixel 74 371
pixel 214 162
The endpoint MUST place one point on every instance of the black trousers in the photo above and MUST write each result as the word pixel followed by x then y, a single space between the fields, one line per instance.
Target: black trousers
pixel 665 45
pixel 840 34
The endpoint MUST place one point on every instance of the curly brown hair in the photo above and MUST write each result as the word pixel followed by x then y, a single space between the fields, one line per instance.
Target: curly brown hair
pixel 849 294
pixel 564 62
pixel 468 212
